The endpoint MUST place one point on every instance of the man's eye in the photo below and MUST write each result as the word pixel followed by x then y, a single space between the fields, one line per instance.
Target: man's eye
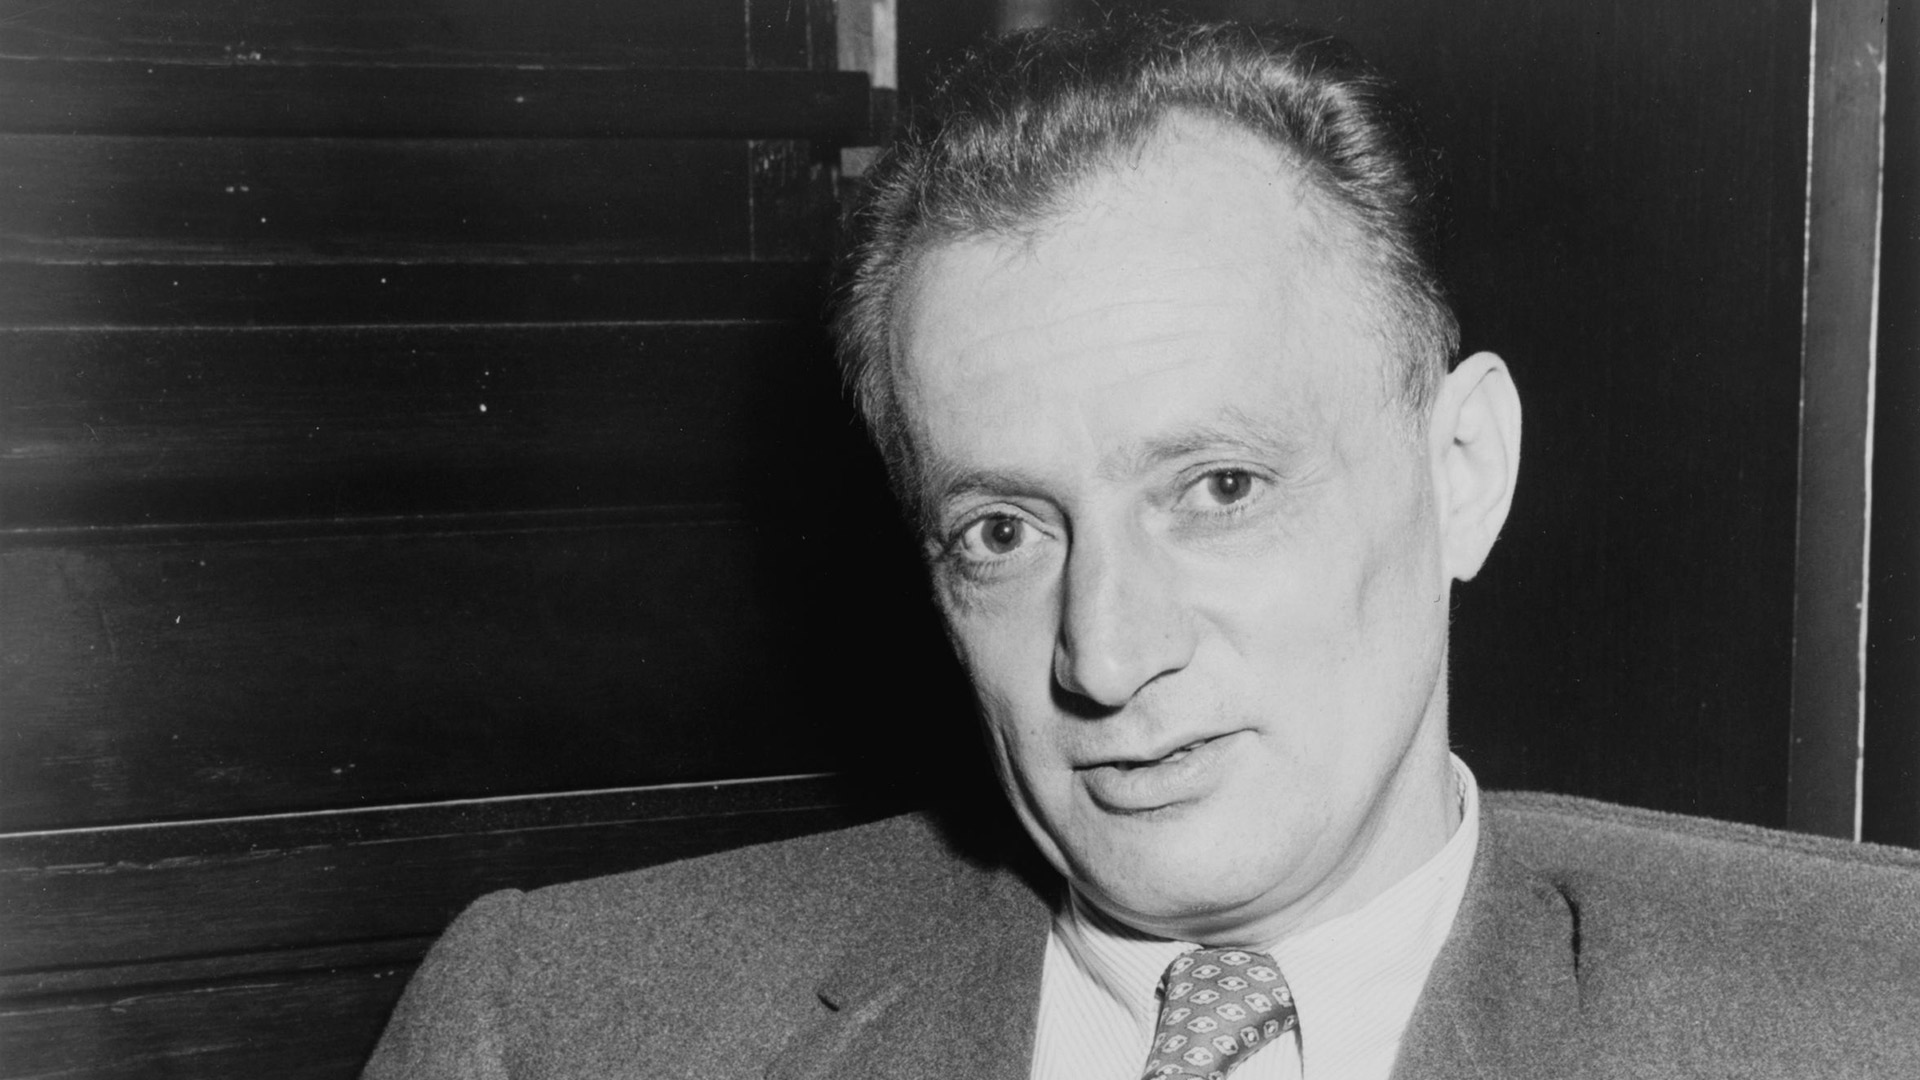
pixel 999 534
pixel 1229 486
pixel 993 537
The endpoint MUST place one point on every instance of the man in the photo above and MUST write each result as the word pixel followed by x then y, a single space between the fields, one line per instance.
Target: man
pixel 1146 325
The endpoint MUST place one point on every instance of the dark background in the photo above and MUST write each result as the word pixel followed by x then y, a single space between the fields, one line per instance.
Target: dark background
pixel 301 649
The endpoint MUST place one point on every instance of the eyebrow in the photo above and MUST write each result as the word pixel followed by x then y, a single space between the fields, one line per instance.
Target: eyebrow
pixel 1232 429
pixel 944 484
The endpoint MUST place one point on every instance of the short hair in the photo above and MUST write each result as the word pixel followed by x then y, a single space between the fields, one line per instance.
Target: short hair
pixel 1011 133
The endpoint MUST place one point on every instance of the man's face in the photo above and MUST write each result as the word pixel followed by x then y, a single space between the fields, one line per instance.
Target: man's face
pixel 1184 545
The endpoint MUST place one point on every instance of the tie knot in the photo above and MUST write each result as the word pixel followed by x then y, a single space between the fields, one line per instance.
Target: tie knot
pixel 1217 1006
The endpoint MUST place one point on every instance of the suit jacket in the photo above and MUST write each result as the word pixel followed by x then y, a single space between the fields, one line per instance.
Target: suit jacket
pixel 1594 940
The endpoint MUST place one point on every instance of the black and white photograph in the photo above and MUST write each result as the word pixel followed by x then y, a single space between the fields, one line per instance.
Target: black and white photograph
pixel 959 539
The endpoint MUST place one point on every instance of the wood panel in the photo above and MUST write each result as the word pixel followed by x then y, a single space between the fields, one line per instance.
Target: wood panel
pixel 794 205
pixel 98 197
pixel 141 426
pixel 313 1026
pixel 70 983
pixel 308 880
pixel 285 967
pixel 667 33
pixel 259 674
pixel 137 97
pixel 1830 609
pixel 1892 781
pixel 791 33
pixel 448 290
pixel 396 407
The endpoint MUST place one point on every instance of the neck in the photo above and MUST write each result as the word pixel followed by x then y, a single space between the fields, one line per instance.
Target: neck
pixel 1413 820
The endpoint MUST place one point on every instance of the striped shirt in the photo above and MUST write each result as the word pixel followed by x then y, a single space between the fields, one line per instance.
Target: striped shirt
pixel 1354 978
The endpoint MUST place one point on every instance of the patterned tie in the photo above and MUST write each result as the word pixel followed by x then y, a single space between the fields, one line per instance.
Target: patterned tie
pixel 1219 1006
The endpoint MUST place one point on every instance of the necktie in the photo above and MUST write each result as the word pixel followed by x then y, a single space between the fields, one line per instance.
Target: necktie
pixel 1217 1007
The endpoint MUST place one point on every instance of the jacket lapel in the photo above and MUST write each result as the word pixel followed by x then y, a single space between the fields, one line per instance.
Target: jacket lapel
pixel 949 988
pixel 1502 999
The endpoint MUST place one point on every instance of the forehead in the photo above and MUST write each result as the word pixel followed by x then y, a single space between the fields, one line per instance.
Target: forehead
pixel 1201 257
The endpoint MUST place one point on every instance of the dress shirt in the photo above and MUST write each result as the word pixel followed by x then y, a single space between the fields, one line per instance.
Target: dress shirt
pixel 1355 978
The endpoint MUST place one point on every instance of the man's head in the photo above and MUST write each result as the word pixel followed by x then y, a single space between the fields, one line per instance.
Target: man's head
pixel 1148 329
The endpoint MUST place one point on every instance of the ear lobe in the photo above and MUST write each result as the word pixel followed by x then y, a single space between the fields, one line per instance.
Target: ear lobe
pixel 1475 452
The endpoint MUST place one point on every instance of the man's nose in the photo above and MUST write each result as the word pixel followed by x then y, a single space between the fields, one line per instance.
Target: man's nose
pixel 1121 622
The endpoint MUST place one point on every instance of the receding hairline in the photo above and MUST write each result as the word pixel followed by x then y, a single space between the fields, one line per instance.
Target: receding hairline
pixel 1325 228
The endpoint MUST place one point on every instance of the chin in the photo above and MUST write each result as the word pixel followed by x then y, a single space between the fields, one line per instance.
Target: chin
pixel 1207 920
pixel 1162 899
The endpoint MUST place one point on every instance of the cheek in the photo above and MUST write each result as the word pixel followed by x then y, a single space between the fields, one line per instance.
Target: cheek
pixel 1003 636
pixel 1268 609
pixel 1006 647
pixel 1401 593
pixel 1320 630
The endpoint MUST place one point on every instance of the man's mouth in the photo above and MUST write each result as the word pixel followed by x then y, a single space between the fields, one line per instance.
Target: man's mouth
pixel 1184 773
pixel 1167 758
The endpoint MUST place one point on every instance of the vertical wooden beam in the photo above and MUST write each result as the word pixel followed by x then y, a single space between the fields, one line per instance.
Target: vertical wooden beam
pixel 1847 103
pixel 868 36
pixel 1892 796
pixel 867 39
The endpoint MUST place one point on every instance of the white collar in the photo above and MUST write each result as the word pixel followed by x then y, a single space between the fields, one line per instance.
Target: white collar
pixel 1355 978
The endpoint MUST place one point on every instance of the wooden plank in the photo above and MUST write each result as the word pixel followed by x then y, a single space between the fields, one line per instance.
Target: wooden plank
pixel 667 33
pixel 126 294
pixel 134 97
pixel 126 426
pixel 290 199
pixel 1891 795
pixel 320 880
pixel 64 981
pixel 791 34
pixel 1836 417
pixel 794 206
pixel 305 1026
pixel 153 681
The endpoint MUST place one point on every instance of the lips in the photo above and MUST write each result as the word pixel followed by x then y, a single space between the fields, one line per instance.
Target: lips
pixel 1175 754
pixel 1134 785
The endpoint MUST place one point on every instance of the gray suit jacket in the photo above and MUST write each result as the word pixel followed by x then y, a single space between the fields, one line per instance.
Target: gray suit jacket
pixel 1594 941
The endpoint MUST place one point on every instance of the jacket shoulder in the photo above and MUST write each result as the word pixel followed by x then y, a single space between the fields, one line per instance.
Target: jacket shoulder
pixel 1565 827
pixel 595 977
pixel 1708 874
pixel 1707 941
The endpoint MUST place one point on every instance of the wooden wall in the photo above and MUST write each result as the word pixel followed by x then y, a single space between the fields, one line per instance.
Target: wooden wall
pixel 1892 774
pixel 422 472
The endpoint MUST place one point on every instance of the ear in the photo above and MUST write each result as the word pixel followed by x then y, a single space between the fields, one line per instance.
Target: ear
pixel 1474 448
